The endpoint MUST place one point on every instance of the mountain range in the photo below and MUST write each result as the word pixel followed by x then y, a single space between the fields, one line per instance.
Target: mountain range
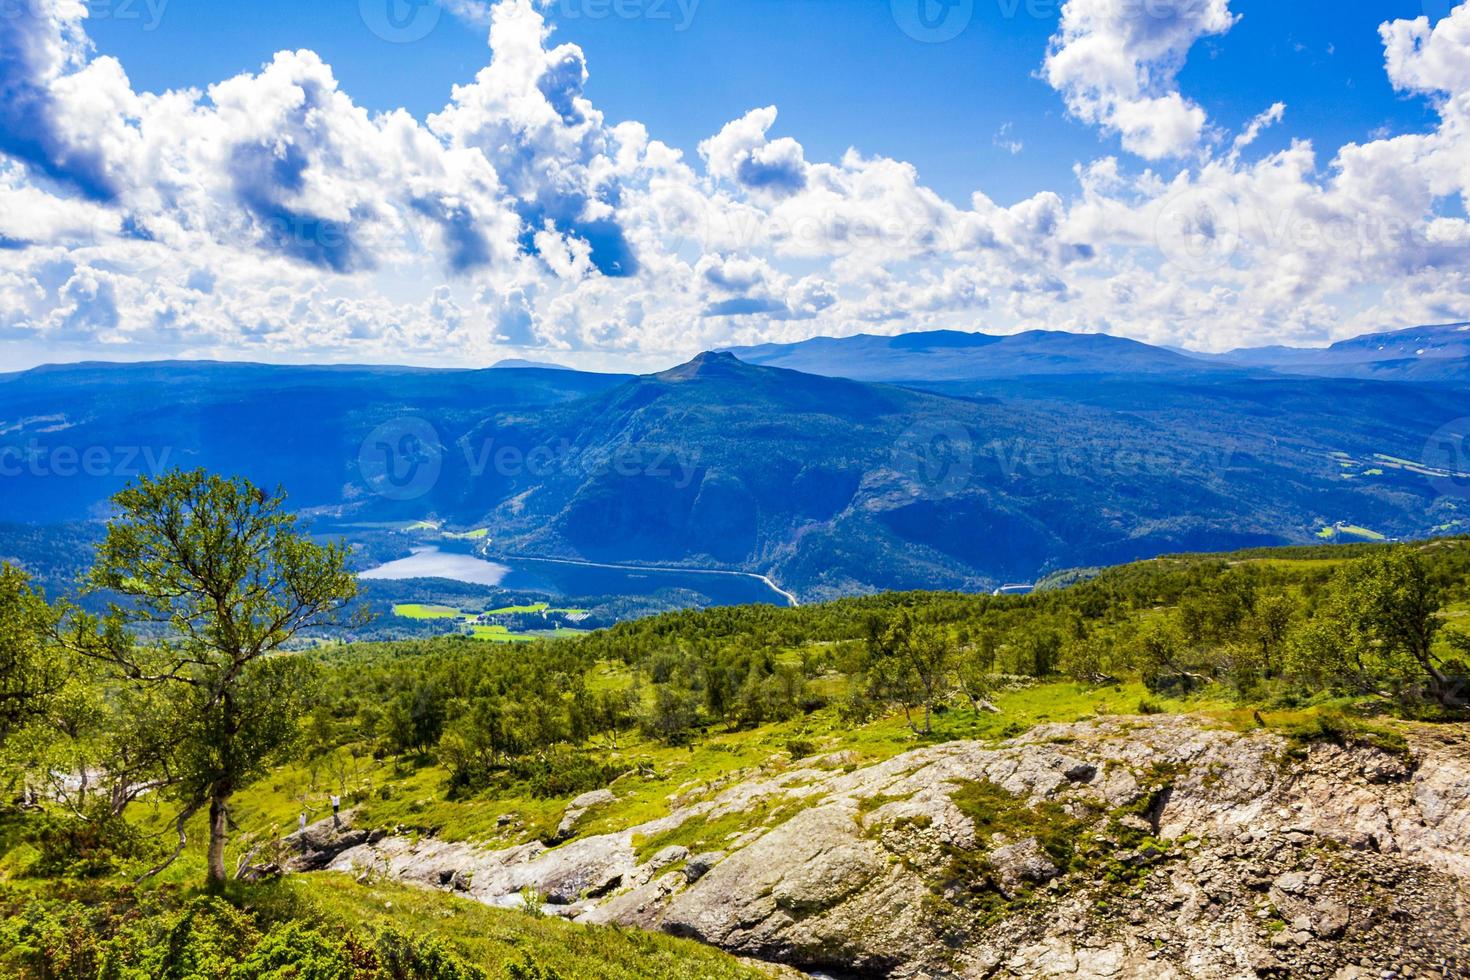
pixel 1419 354
pixel 926 461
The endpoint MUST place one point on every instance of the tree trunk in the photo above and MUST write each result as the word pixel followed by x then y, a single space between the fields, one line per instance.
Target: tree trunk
pixel 183 818
pixel 1440 685
pixel 218 832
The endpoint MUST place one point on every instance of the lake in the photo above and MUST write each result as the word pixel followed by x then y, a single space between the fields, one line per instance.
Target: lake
pixel 578 579
pixel 434 563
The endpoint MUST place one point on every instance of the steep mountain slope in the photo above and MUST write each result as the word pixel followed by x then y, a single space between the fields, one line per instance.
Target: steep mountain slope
pixel 832 486
pixel 72 435
pixel 837 486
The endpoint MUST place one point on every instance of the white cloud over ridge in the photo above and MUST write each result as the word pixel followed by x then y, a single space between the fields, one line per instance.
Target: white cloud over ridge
pixel 269 215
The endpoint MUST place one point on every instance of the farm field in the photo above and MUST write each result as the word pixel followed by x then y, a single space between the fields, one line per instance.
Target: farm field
pixel 472 622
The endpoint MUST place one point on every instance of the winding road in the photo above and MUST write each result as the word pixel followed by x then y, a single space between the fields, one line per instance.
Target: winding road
pixel 790 599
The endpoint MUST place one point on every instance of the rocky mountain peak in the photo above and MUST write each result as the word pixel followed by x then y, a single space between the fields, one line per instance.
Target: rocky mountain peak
pixel 706 366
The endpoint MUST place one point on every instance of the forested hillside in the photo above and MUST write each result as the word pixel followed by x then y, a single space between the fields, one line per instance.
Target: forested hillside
pixel 831 487
pixel 168 762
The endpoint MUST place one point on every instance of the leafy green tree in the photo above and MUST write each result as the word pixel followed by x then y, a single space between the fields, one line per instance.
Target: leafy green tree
pixel 1038 650
pixel 912 664
pixel 1266 628
pixel 1322 653
pixel 1086 658
pixel 415 719
pixel 1390 598
pixel 975 680
pixel 612 712
pixel 675 711
pixel 219 565
pixel 1160 657
pixel 478 740
pixel 33 671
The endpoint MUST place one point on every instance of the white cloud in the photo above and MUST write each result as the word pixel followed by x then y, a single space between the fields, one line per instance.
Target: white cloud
pixel 742 155
pixel 1257 126
pixel 269 214
pixel 1005 139
pixel 1115 63
pixel 1425 59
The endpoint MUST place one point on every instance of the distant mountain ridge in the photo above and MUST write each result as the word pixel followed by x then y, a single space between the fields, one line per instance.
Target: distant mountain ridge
pixel 1436 354
pixel 523 363
pixel 1430 354
pixel 832 486
pixel 951 355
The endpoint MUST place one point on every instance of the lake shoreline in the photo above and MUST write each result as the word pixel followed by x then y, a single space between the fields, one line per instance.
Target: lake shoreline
pixel 510 573
pixel 791 600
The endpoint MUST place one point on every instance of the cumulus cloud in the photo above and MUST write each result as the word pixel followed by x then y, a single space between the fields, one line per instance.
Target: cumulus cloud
pixel 1425 59
pixel 527 115
pixel 740 153
pixel 1115 62
pixel 269 213
pixel 43 50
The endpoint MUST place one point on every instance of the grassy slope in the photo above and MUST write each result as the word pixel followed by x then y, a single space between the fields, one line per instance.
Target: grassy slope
pixel 494 938
pixel 413 795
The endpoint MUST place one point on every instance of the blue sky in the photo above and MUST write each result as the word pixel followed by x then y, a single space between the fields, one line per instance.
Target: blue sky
pixel 621 183
pixel 842 72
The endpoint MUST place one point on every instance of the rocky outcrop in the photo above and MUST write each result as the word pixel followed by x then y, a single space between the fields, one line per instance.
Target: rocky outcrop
pixel 578 808
pixel 1153 848
pixel 315 847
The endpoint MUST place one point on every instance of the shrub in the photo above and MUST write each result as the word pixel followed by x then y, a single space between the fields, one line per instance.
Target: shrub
pixel 800 748
pixel 80 846
pixel 529 969
pixel 405 957
pixel 292 951
pixel 109 933
pixel 566 774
